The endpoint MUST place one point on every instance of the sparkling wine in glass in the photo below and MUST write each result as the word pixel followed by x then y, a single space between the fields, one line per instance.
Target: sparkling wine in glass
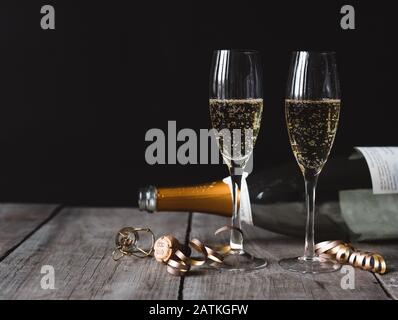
pixel 312 109
pixel 236 105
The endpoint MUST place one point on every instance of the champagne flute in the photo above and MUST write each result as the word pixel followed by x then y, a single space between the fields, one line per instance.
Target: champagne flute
pixel 236 104
pixel 312 109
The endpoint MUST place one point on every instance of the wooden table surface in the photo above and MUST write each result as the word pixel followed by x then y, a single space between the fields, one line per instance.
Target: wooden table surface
pixel 78 243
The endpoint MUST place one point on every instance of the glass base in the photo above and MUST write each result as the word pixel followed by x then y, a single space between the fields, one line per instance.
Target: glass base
pixel 311 266
pixel 239 260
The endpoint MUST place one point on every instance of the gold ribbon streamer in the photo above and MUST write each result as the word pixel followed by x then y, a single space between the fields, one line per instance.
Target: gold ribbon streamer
pixel 345 253
pixel 179 264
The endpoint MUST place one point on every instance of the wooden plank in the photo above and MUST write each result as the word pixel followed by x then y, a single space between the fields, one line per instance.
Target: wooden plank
pixel 18 221
pixel 272 282
pixel 78 243
pixel 389 250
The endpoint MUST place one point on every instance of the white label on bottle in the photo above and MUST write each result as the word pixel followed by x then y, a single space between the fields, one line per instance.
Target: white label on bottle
pixel 245 206
pixel 383 167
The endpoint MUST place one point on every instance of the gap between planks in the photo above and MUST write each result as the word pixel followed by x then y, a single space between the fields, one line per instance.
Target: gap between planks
pixel 51 215
pixel 186 241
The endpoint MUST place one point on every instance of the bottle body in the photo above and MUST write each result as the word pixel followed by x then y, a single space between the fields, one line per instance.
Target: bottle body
pixel 344 202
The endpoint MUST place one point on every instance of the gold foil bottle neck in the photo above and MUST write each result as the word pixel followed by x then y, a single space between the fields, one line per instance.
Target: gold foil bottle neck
pixel 214 197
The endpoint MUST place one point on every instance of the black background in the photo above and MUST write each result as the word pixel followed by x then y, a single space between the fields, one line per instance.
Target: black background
pixel 76 102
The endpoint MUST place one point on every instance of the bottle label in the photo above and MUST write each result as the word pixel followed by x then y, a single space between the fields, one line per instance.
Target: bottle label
pixel 245 206
pixel 383 167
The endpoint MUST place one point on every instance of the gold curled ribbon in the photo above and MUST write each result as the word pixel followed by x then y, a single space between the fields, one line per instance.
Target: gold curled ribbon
pixel 198 246
pixel 345 253
pixel 180 264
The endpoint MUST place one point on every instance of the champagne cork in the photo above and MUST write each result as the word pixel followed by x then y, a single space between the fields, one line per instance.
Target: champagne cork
pixel 166 246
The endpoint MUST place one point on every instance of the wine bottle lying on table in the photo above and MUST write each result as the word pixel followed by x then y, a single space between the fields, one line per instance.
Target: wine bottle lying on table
pixel 346 206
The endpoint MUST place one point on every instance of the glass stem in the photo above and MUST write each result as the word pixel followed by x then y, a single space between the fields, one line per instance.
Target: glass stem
pixel 310 187
pixel 236 240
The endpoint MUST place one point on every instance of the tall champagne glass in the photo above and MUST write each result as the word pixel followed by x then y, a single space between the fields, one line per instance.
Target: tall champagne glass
pixel 312 109
pixel 236 105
